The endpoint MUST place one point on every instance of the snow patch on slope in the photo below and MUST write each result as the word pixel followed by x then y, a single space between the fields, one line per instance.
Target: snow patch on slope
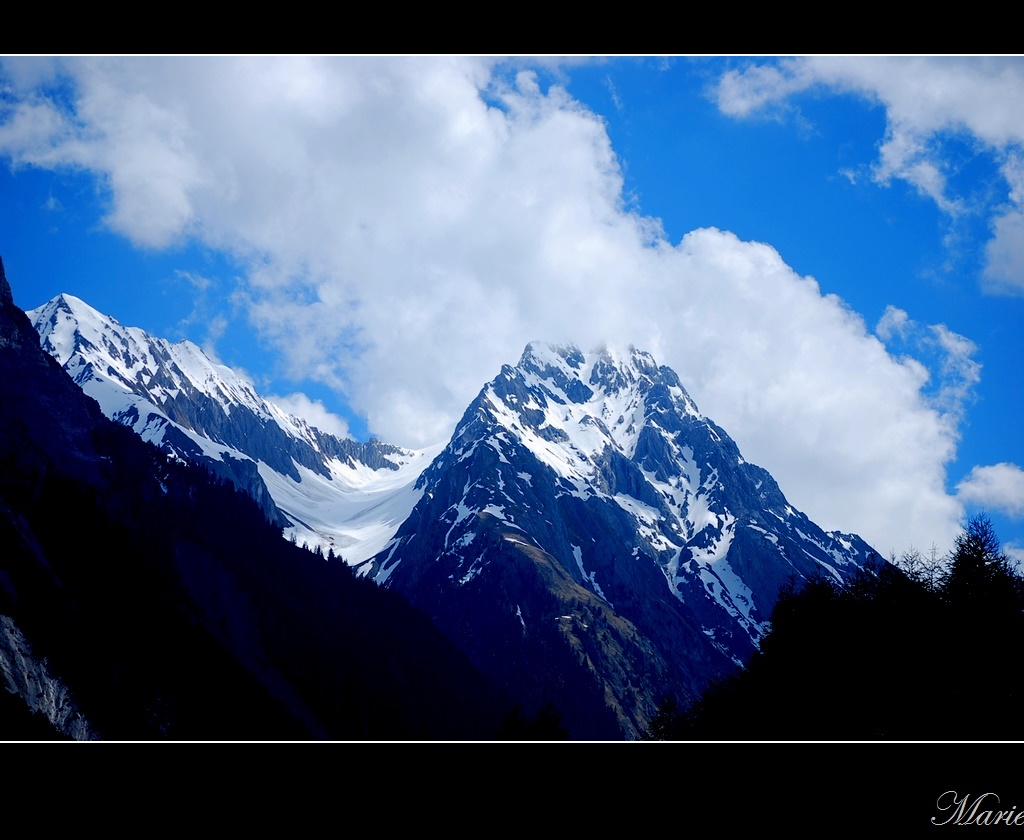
pixel 357 511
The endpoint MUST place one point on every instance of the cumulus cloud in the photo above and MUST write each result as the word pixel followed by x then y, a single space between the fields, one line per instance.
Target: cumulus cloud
pixel 999 487
pixel 927 100
pixel 409 224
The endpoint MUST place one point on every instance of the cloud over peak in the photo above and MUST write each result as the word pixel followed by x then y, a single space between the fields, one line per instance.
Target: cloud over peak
pixel 408 225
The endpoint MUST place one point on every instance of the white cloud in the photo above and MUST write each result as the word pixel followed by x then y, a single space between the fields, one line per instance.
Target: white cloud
pixel 29 129
pixel 951 356
pixel 996 488
pixel 742 93
pixel 1004 269
pixel 410 224
pixel 139 143
pixel 894 322
pixel 197 281
pixel 960 373
pixel 313 412
pixel 927 100
pixel 215 329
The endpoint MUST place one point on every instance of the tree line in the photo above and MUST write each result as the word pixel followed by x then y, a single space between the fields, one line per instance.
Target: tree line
pixel 915 648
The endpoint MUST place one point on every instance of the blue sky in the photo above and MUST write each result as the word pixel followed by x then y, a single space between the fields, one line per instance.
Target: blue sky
pixel 829 250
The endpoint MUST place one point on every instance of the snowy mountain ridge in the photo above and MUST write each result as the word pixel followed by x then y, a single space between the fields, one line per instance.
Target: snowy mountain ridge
pixel 337 494
pixel 92 346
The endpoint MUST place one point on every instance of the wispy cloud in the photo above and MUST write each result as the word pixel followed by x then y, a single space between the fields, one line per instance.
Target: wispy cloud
pixel 204 313
pixel 929 101
pixel 940 359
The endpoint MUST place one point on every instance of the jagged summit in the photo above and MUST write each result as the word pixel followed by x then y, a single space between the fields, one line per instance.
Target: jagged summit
pixel 589 485
pixel 593 399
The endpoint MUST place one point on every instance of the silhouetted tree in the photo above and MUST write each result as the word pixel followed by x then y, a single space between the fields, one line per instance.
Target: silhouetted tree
pixel 922 653
pixel 980 577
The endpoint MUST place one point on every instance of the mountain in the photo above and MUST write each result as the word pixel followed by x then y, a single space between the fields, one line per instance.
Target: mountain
pixel 344 496
pixel 595 542
pixel 143 598
pixel 588 538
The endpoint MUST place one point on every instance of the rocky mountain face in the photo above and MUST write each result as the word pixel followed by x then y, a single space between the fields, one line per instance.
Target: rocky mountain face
pixel 593 540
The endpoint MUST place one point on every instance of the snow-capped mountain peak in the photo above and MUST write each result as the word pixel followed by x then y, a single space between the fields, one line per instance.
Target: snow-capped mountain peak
pixel 592 400
pixel 597 471
pixel 335 493
pixel 93 346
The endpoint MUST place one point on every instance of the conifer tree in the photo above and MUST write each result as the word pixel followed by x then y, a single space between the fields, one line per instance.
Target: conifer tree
pixel 980 576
